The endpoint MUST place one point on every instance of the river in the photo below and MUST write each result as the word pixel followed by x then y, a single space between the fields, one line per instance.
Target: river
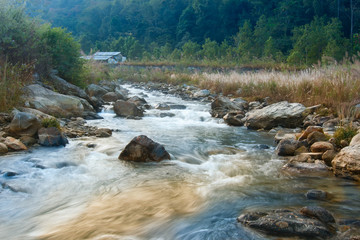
pixel 216 173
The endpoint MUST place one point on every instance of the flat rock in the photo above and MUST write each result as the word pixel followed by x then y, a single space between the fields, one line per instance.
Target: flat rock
pixel 284 114
pixel 285 223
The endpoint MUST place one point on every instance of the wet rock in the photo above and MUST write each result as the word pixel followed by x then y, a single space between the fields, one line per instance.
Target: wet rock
pixel 306 167
pixel 103 133
pixel 319 213
pixel 94 90
pixel 314 194
pixel 24 124
pixel 177 106
pixel 202 93
pixel 347 163
pixel 9 174
pixel 301 150
pixel 91 145
pixel 143 149
pixel 222 105
pixel 3 148
pixel 127 109
pixel 287 147
pixel 254 105
pixel 282 114
pixel 309 130
pixel 328 156
pixel 112 97
pixel 281 135
pixel 321 147
pixel 163 115
pixel 14 144
pixel 234 118
pixel 138 101
pixel 286 223
pixel 28 141
pixel 316 137
pixel 162 106
pixel 51 137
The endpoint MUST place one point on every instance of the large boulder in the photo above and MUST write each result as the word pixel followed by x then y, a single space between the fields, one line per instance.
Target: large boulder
pixel 127 109
pixel 143 149
pixel 234 118
pixel 223 105
pixel 282 114
pixel 24 124
pixel 287 147
pixel 347 163
pixel 66 88
pixel 56 104
pixel 94 90
pixel 50 137
pixel 355 140
pixel 284 222
pixel 112 97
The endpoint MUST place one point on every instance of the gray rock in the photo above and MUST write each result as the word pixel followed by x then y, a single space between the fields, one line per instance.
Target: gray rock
pixel 287 147
pixel 127 109
pixel 177 106
pixel 28 141
pixel 285 222
pixel 222 105
pixel 53 103
pixel 103 133
pixel 94 90
pixel 320 213
pixel 138 101
pixel 234 118
pixel 51 137
pixel 143 149
pixel 167 114
pixel 112 97
pixel 162 106
pixel 355 140
pixel 202 93
pixel 25 124
pixel 282 114
pixel 66 88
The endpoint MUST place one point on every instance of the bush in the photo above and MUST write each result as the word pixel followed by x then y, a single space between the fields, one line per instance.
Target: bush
pixel 12 79
pixel 344 133
pixel 50 122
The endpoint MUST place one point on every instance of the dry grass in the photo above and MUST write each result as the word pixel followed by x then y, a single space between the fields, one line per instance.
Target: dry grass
pixel 336 87
pixel 12 79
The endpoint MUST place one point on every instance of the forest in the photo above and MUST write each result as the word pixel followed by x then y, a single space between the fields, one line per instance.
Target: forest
pixel 298 32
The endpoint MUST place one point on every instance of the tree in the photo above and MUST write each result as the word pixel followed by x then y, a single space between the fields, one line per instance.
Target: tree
pixel 244 41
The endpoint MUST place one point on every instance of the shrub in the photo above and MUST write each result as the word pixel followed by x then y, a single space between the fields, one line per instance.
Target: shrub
pixel 50 122
pixel 344 133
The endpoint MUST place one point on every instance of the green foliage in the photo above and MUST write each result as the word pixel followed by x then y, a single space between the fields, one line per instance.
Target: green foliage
pixel 244 41
pixel 344 133
pixel 191 50
pixel 63 52
pixel 50 122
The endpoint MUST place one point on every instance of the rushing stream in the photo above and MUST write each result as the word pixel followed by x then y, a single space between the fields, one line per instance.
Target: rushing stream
pixel 216 173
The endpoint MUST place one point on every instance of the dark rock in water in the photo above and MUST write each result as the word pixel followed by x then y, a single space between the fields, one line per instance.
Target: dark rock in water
pixel 319 213
pixel 112 97
pixel 162 106
pixel 52 136
pixel 9 174
pixel 127 109
pixel 314 194
pixel 91 145
pixel 103 132
pixel 287 147
pixel 28 141
pixel 262 146
pixel 25 124
pixel 234 118
pixel 162 115
pixel 178 106
pixel 65 164
pixel 143 149
pixel 285 223
pixel 138 101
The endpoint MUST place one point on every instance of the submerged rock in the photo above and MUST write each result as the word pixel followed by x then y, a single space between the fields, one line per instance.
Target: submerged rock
pixel 162 106
pixel 314 194
pixel 143 149
pixel 287 223
pixel 284 114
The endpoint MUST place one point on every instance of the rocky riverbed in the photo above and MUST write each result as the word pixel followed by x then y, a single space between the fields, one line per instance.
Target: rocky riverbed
pixel 221 164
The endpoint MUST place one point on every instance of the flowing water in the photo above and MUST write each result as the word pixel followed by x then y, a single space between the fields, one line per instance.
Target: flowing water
pixel 216 173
